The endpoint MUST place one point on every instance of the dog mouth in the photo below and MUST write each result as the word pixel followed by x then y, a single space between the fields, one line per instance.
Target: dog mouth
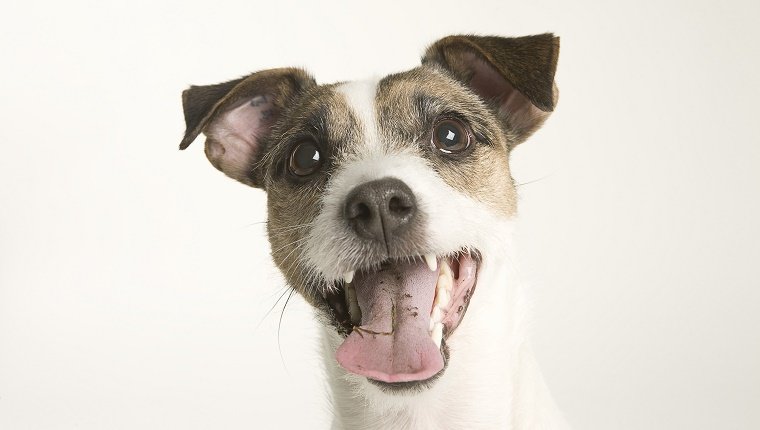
pixel 397 316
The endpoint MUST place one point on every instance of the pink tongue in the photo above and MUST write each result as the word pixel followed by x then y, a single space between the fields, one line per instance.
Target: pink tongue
pixel 393 344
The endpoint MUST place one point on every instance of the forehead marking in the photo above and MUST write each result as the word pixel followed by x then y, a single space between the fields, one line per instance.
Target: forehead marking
pixel 360 97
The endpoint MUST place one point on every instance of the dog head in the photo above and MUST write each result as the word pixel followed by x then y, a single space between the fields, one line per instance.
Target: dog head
pixel 385 198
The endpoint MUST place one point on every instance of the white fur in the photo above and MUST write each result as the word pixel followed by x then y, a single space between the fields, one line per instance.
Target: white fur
pixel 492 380
pixel 360 95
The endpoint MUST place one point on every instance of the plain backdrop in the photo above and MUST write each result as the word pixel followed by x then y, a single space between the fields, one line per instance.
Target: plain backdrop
pixel 135 282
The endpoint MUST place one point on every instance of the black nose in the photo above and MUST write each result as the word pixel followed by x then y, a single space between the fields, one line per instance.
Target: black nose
pixel 380 209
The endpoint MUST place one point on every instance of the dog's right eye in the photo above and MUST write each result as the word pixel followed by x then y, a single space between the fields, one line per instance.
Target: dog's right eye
pixel 305 159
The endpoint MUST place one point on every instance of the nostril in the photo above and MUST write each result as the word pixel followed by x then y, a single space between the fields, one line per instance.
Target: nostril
pixel 360 211
pixel 398 206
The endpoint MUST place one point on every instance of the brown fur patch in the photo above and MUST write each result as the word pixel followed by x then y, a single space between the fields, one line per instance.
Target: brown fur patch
pixel 407 106
pixel 321 115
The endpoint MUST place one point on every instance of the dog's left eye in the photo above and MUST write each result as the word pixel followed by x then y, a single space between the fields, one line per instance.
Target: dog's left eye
pixel 305 159
pixel 450 136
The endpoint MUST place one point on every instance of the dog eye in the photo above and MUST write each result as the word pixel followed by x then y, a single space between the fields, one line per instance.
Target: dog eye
pixel 305 159
pixel 450 136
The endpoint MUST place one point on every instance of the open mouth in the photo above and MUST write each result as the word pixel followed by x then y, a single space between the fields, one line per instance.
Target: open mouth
pixel 397 316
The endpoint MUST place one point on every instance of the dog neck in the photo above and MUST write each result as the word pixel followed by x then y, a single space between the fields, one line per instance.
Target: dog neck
pixel 491 381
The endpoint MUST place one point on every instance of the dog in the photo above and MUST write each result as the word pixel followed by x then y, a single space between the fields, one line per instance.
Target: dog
pixel 390 210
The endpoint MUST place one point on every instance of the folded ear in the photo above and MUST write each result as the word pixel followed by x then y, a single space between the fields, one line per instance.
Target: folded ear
pixel 237 116
pixel 515 75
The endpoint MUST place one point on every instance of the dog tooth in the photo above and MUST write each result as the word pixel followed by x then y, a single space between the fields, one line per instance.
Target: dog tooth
pixel 437 334
pixel 444 283
pixel 353 305
pixel 437 314
pixel 432 261
pixel 443 291
pixel 348 276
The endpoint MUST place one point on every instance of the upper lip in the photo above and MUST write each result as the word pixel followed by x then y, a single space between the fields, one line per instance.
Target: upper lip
pixel 430 259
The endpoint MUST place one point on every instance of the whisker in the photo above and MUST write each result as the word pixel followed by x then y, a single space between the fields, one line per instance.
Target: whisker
pixel 279 326
pixel 532 181
pixel 295 242
pixel 296 248
pixel 290 227
pixel 271 308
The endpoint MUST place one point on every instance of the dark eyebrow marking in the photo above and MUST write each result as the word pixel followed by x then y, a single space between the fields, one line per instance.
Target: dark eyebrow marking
pixel 427 105
pixel 317 121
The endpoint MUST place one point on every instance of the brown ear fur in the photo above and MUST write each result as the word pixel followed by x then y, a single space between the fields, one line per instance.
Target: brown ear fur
pixel 197 103
pixel 526 64
pixel 201 103
pixel 234 152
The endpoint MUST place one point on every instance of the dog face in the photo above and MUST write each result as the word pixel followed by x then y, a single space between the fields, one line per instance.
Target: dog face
pixel 384 196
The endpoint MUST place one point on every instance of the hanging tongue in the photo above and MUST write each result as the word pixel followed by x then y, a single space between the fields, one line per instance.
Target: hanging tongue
pixel 393 344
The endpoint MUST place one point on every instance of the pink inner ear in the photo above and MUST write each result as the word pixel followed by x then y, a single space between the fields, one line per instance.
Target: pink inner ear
pixel 519 112
pixel 234 136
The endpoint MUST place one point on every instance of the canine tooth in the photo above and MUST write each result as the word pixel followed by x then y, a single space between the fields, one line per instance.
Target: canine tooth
pixel 431 261
pixel 437 334
pixel 348 276
pixel 353 305
pixel 437 315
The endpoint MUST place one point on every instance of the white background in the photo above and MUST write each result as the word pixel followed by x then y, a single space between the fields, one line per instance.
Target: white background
pixel 134 278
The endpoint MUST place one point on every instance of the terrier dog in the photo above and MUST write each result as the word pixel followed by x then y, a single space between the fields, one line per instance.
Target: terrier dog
pixel 390 205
